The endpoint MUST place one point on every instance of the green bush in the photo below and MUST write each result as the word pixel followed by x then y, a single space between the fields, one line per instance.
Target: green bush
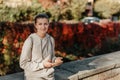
pixel 19 14
pixel 70 11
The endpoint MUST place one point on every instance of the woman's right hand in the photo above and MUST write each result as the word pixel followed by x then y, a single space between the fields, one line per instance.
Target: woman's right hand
pixel 47 64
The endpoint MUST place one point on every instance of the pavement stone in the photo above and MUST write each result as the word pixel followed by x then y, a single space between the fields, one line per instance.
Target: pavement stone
pixel 80 69
pixel 15 76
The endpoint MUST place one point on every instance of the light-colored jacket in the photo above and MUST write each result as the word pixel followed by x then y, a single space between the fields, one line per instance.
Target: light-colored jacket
pixel 35 51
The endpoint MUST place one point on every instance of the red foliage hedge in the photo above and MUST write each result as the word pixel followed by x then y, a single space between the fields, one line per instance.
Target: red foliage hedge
pixel 78 38
pixel 73 41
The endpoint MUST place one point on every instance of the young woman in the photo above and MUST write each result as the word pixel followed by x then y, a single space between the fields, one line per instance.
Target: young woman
pixel 37 57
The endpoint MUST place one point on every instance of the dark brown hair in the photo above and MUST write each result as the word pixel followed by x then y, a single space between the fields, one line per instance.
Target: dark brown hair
pixel 41 15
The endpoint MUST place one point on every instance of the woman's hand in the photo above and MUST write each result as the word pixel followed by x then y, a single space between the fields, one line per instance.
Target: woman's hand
pixel 48 64
pixel 58 61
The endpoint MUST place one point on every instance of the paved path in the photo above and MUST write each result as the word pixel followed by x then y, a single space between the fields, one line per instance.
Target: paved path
pixel 80 69
pixel 16 76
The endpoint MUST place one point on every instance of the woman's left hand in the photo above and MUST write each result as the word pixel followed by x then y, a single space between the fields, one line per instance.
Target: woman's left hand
pixel 58 61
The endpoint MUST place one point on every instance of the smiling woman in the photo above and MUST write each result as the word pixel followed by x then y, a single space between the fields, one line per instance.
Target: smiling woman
pixel 38 56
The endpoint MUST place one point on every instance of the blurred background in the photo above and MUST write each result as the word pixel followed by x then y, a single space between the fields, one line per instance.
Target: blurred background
pixel 81 28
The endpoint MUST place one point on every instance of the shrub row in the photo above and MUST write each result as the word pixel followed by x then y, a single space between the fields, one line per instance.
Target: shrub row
pixel 73 41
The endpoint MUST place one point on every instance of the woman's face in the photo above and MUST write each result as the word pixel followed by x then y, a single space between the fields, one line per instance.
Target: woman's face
pixel 42 25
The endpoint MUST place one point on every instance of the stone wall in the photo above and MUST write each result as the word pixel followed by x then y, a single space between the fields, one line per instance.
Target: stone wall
pixel 112 74
pixel 104 67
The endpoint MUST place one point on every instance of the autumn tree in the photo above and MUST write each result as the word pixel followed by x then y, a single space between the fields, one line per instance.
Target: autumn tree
pixel 71 10
pixel 107 8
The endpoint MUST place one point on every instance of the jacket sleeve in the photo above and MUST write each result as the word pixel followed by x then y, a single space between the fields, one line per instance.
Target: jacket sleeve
pixel 25 58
